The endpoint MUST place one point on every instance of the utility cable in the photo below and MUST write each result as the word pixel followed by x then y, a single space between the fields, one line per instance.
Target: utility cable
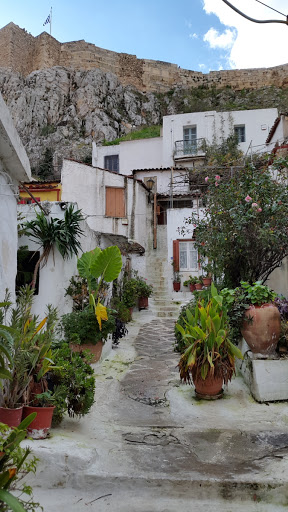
pixel 253 19
pixel 272 8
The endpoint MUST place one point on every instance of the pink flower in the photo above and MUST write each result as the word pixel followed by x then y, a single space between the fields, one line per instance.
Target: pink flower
pixel 217 177
pixel 207 179
pixel 259 210
pixel 216 184
pixel 248 199
pixel 254 205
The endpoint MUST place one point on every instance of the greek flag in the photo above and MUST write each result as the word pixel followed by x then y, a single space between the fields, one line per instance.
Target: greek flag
pixel 47 21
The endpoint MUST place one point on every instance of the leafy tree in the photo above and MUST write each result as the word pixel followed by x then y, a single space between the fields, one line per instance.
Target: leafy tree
pixel 46 168
pixel 53 232
pixel 243 231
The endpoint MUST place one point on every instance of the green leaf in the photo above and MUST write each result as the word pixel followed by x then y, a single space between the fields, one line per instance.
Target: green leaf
pixel 108 264
pixel 235 351
pixel 84 263
pixel 11 501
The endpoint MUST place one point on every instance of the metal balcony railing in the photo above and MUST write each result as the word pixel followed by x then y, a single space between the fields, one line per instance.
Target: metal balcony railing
pixel 190 148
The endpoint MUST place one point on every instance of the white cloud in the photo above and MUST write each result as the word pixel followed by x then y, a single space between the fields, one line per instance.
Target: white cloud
pixel 202 66
pixel 217 40
pixel 193 36
pixel 255 44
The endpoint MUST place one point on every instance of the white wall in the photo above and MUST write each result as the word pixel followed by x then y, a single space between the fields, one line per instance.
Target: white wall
pixel 134 154
pixel 86 186
pixel 54 277
pixel 218 124
pixel 176 219
pixel 8 234
pixel 14 166
pixel 164 178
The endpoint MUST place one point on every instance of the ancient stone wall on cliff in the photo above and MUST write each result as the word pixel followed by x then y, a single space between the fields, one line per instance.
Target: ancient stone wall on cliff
pixel 24 53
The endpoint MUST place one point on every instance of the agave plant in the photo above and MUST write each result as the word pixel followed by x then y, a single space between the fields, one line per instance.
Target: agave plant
pixel 60 233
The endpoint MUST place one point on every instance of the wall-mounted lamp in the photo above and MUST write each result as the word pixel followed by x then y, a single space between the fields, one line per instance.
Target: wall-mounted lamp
pixel 150 183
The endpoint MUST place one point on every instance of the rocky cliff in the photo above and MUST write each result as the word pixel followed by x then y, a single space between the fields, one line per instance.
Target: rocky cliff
pixel 64 110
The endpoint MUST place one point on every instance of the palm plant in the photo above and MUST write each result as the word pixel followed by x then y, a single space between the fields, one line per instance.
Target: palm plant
pixel 60 233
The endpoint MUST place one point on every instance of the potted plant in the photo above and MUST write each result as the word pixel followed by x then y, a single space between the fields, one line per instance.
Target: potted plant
pixel 199 283
pixel 30 351
pixel 261 326
pixel 207 278
pixel 191 283
pixel 130 293
pixel 81 330
pixel 144 291
pixel 43 405
pixel 176 278
pixel 16 462
pixel 209 359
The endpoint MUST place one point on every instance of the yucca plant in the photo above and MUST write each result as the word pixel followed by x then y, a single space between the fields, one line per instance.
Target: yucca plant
pixel 52 232
pixel 206 335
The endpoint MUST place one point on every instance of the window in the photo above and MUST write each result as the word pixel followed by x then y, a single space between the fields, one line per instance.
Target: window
pixel 188 256
pixel 28 200
pixel 115 202
pixel 189 142
pixel 185 255
pixel 240 133
pixel 26 261
pixel 111 162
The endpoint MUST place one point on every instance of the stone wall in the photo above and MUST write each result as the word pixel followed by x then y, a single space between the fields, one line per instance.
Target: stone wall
pixel 24 53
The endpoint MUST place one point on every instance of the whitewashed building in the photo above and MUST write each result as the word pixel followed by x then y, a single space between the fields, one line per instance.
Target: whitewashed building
pixel 14 167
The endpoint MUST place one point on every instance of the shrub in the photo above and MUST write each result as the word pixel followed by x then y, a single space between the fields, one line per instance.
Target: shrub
pixel 72 382
pixel 82 327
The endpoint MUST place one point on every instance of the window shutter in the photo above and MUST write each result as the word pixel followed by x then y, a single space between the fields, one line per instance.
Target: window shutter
pixel 176 255
pixel 115 202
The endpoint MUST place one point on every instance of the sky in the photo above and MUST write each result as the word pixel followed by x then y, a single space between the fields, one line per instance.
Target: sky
pixel 200 35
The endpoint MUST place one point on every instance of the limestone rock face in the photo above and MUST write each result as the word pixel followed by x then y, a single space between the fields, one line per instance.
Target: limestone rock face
pixel 65 110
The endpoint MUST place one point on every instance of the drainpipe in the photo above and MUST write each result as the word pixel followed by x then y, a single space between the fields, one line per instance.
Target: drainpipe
pixel 155 222
pixel 171 192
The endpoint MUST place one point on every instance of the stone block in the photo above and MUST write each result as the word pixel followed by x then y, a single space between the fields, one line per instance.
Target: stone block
pixel 266 377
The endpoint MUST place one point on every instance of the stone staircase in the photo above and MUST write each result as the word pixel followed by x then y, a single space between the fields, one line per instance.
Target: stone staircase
pixel 164 303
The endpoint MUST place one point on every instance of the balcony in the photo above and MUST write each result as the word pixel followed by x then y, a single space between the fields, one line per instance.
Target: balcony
pixel 189 149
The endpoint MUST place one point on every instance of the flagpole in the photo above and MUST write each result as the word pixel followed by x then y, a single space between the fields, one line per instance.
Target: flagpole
pixel 50 20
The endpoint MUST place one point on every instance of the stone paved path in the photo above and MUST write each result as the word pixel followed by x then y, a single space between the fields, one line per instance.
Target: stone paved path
pixel 149 445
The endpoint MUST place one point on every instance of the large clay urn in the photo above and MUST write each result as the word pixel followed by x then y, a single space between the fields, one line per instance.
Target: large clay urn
pixel 262 333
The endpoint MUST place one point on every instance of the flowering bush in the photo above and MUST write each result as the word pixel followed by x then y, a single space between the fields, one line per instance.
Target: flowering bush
pixel 244 228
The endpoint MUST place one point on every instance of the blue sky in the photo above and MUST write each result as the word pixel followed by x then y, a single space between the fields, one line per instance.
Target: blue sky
pixel 201 35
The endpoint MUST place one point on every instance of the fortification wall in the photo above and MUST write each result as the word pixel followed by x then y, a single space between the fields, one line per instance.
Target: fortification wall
pixel 22 52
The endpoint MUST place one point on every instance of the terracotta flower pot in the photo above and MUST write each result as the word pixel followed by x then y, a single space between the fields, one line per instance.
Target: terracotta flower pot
pixel 176 286
pixel 263 332
pixel 198 286
pixel 210 388
pixel 95 350
pixel 143 303
pixel 11 417
pixel 40 426
pixel 207 281
pixel 192 287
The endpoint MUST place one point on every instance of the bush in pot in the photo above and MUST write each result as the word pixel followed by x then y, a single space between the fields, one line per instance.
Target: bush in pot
pixel 30 351
pixel 14 465
pixel 209 358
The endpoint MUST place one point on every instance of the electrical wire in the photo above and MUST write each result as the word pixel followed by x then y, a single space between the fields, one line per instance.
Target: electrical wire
pixel 253 19
pixel 272 8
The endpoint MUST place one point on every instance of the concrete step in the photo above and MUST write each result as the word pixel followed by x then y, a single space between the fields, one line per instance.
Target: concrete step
pixel 114 499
